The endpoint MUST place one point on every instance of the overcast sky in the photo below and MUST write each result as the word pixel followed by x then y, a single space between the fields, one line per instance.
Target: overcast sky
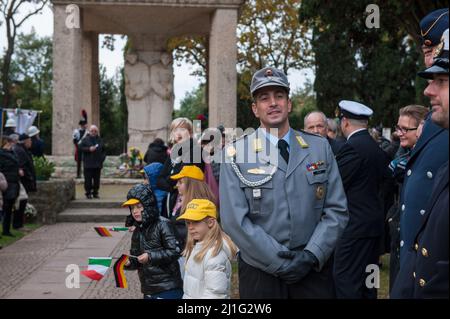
pixel 113 60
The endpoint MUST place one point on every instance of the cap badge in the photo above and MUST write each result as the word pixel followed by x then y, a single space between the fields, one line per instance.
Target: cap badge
pixel 269 72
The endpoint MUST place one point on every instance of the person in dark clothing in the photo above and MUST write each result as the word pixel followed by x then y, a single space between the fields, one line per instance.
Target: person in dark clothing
pixel 27 176
pixel 156 152
pixel 93 157
pixel 9 166
pixel 154 249
pixel 363 167
pixel 37 144
pixel 424 271
pixel 184 151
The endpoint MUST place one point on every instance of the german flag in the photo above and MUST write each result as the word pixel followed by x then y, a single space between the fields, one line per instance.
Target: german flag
pixel 103 231
pixel 119 276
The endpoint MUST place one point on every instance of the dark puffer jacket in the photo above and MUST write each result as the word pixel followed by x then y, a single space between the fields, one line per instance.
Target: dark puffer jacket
pixel 155 236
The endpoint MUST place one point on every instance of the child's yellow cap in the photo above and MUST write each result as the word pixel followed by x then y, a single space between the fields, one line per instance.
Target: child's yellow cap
pixel 198 209
pixel 191 171
pixel 131 201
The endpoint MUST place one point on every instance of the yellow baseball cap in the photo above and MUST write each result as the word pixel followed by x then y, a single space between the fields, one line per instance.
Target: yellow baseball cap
pixel 131 201
pixel 198 209
pixel 191 171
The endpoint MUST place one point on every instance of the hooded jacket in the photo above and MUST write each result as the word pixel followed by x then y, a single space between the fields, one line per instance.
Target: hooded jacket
pixel 154 235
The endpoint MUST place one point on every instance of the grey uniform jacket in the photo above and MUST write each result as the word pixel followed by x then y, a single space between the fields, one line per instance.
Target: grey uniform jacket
pixel 302 206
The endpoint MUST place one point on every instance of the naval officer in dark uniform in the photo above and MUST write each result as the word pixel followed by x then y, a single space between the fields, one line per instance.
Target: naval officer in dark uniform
pixel 363 167
pixel 424 269
pixel 281 201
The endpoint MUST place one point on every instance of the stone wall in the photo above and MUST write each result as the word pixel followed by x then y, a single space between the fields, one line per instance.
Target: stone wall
pixel 51 198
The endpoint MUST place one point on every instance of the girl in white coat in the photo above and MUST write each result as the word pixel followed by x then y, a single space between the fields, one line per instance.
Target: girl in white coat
pixel 208 253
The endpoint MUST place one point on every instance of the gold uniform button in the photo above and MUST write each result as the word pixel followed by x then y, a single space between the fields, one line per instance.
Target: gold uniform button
pixel 424 252
pixel 422 282
pixel 416 247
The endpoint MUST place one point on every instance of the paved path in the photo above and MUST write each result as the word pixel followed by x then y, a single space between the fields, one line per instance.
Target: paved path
pixel 35 266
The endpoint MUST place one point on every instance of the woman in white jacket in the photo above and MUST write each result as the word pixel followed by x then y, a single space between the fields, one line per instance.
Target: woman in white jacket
pixel 208 253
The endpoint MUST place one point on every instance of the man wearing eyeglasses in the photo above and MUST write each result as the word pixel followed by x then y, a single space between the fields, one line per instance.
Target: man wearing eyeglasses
pixel 429 154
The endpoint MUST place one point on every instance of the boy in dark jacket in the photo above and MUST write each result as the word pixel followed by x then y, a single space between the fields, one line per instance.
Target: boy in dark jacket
pixel 153 242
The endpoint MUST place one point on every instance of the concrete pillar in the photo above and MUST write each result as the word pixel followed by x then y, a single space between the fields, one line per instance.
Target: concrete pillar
pixel 222 68
pixel 91 79
pixel 67 82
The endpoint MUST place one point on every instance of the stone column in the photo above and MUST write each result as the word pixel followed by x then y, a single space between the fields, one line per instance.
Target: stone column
pixel 222 68
pixel 90 82
pixel 67 79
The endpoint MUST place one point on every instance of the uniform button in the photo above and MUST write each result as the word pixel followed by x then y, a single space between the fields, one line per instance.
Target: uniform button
pixel 422 211
pixel 402 243
pixel 414 274
pixel 416 247
pixel 430 175
pixel 403 207
pixel 422 282
pixel 409 172
pixel 424 252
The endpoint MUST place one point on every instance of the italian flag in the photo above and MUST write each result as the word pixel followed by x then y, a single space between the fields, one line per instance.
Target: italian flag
pixel 97 267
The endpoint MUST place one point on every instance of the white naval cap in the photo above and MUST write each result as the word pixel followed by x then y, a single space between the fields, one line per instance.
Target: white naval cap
pixel 354 110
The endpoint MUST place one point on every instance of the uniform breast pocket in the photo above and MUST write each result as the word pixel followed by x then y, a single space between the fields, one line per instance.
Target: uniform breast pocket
pixel 260 198
pixel 318 186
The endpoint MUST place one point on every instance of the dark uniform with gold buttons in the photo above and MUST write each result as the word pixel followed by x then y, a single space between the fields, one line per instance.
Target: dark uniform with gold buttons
pixel 428 155
pixel 424 271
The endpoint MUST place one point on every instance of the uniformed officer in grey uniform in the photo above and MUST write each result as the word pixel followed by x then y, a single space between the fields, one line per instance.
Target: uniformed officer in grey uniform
pixel 281 201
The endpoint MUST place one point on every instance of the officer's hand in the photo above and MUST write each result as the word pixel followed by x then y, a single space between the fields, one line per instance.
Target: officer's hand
pixel 301 264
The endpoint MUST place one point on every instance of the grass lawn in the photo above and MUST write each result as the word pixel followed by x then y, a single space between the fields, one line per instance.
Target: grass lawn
pixel 28 228
pixel 383 292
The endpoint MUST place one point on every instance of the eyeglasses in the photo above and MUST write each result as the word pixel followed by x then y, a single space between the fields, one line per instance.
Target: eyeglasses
pixel 404 130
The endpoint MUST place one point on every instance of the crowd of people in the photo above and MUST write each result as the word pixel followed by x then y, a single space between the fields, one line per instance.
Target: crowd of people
pixel 17 173
pixel 304 212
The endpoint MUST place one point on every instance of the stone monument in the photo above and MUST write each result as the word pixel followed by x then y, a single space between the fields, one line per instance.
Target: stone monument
pixel 149 24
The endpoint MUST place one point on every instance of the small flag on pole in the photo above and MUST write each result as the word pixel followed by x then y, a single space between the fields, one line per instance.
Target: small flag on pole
pixel 115 228
pixel 103 231
pixel 97 267
pixel 121 281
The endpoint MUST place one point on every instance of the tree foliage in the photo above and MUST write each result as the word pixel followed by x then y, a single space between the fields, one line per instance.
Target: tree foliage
pixel 13 16
pixel 113 115
pixel 31 67
pixel 376 66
